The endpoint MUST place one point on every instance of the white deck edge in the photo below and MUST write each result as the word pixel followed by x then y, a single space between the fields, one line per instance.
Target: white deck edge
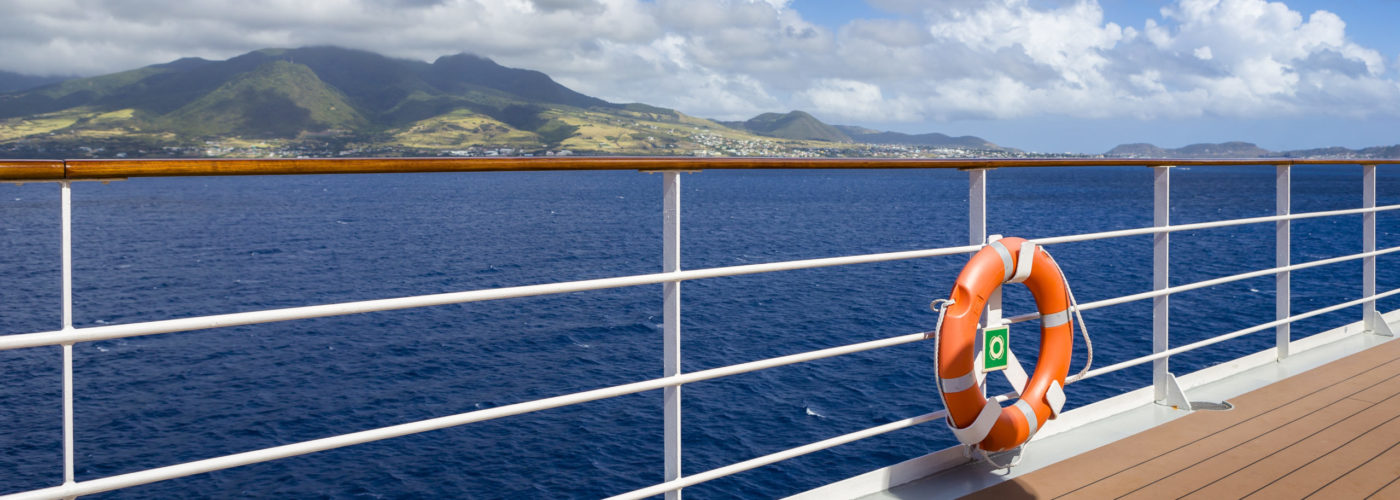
pixel 1306 353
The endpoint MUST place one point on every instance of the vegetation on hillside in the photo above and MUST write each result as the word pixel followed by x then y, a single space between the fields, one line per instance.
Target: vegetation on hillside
pixel 328 100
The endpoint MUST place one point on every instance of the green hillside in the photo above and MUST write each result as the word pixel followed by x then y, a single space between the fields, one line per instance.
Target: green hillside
pixel 336 101
pixel 934 139
pixel 792 125
pixel 276 99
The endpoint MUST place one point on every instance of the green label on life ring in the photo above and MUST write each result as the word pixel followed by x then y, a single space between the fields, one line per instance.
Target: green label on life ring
pixel 996 345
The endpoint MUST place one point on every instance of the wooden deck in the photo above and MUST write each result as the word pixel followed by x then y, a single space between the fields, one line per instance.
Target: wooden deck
pixel 1331 432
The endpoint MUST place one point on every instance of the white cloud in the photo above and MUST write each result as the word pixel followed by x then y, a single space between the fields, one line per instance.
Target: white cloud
pixel 961 59
pixel 856 100
pixel 1070 41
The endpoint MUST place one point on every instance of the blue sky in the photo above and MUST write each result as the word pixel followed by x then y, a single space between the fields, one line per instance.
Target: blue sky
pixel 1042 75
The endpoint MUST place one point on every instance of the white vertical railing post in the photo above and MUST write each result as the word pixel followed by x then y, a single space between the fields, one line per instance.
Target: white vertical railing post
pixel 66 204
pixel 1283 189
pixel 1161 217
pixel 976 206
pixel 1368 244
pixel 671 345
pixel 977 235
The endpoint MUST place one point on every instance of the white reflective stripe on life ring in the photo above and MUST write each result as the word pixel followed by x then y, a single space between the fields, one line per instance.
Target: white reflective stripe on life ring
pixel 1054 319
pixel 1031 419
pixel 959 384
pixel 1010 267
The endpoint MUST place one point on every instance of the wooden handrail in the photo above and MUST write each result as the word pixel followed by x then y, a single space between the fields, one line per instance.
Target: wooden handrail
pixel 30 170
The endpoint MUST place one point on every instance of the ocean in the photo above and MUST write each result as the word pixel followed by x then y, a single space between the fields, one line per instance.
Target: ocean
pixel 151 249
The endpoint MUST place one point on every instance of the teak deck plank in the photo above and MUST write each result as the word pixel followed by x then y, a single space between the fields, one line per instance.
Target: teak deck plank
pixel 1235 456
pixel 1391 490
pixel 1150 455
pixel 1327 469
pixel 1284 461
pixel 1364 479
pixel 1329 431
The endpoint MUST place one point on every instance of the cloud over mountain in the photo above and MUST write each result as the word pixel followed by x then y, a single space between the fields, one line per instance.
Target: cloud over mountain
pixel 730 59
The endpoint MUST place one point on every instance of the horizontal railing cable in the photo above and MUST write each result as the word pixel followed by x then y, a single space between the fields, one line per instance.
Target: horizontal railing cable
pixel 910 422
pixel 58 337
pixel 771 458
pixel 1205 225
pixel 1235 334
pixel 339 441
pixel 343 440
pixel 1209 283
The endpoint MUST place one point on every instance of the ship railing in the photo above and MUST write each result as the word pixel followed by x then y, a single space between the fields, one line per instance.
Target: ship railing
pixel 671 277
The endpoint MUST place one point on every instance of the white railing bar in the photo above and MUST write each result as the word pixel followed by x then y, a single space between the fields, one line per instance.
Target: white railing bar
pixel 771 458
pixel 977 235
pixel 19 341
pixel 1368 244
pixel 1234 334
pixel 1205 225
pixel 343 440
pixel 671 328
pixel 1161 269
pixel 26 340
pixel 1211 282
pixel 755 463
pixel 66 224
pixel 1283 244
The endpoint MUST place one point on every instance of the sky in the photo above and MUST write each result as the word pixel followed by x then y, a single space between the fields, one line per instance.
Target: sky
pixel 1042 75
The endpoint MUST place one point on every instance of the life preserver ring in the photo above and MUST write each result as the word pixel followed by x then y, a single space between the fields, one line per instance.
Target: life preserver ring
pixel 971 416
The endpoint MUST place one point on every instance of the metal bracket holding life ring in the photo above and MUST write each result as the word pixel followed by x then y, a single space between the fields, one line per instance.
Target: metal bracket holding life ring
pixel 976 421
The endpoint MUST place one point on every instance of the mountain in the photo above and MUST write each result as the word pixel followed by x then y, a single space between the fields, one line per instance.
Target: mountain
pixel 276 99
pixel 1340 152
pixel 360 100
pixel 337 101
pixel 376 85
pixel 934 139
pixel 1238 149
pixel 1233 149
pixel 12 82
pixel 1138 150
pixel 803 126
pixel 463 71
pixel 791 125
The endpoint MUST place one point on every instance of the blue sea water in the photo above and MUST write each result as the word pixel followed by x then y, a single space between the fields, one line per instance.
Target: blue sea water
pixel 151 249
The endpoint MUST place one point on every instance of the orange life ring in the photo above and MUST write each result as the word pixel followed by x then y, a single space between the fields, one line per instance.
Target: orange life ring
pixel 973 418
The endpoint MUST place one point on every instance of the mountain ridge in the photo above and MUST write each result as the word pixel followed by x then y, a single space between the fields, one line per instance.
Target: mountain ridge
pixel 354 102
pixel 325 100
pixel 1244 150
pixel 799 124
pixel 14 82
pixel 791 125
